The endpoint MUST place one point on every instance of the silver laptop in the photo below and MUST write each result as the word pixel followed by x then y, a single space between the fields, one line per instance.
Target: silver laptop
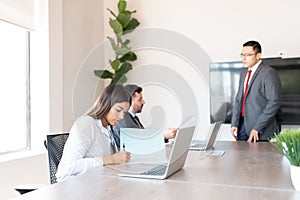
pixel 203 145
pixel 161 171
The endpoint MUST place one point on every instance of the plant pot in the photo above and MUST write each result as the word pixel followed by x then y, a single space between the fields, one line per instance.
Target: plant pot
pixel 295 177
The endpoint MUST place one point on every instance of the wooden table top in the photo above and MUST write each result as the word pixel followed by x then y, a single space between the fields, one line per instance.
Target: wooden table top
pixel 245 171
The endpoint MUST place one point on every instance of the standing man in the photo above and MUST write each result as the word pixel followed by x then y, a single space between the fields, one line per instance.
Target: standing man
pixel 131 120
pixel 258 98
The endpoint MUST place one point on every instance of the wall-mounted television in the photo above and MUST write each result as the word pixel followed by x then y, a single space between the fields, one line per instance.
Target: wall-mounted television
pixel 224 80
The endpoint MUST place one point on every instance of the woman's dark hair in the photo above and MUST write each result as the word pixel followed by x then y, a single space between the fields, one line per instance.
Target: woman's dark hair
pixel 255 45
pixel 110 95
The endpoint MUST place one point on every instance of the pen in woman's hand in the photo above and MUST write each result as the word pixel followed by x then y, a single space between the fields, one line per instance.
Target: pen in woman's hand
pixel 123 146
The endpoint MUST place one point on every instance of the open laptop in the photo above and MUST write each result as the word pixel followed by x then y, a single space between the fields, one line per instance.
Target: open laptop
pixel 203 145
pixel 176 161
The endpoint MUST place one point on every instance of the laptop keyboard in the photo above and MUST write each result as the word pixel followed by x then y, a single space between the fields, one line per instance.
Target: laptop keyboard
pixel 159 170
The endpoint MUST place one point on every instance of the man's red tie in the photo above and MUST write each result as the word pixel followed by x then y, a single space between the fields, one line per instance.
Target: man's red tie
pixel 245 93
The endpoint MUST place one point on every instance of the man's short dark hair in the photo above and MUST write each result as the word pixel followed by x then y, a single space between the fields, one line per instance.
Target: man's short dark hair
pixel 255 45
pixel 132 89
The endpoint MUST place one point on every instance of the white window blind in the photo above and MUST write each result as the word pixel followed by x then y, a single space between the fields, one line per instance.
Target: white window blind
pixel 19 12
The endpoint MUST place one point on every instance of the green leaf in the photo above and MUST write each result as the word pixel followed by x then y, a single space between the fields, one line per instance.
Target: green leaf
pixel 125 67
pixel 116 26
pixel 122 6
pixel 131 25
pixel 288 143
pixel 120 80
pixel 130 56
pixel 122 50
pixel 123 79
pixel 113 43
pixel 120 73
pixel 126 42
pixel 103 74
pixel 124 18
pixel 124 45
pixel 115 64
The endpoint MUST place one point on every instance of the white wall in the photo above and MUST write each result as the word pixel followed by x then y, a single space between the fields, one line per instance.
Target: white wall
pixel 76 27
pixel 56 64
pixel 221 27
pixel 82 31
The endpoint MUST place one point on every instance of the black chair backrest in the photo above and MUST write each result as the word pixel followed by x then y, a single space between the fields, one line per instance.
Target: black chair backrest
pixel 55 145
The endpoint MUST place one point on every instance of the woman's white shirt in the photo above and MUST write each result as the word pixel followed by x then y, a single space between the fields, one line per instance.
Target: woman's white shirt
pixel 87 143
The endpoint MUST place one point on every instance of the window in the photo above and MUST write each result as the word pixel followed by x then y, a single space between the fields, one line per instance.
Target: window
pixel 14 88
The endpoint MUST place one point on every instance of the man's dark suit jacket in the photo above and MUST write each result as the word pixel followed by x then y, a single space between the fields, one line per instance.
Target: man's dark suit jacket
pixel 127 122
pixel 263 101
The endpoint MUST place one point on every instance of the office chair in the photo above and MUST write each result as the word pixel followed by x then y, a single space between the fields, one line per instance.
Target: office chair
pixel 55 145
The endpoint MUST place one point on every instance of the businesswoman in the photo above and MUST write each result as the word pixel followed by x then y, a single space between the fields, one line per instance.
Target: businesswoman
pixel 90 143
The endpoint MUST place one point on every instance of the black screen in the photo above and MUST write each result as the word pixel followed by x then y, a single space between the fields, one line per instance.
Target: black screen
pixel 224 80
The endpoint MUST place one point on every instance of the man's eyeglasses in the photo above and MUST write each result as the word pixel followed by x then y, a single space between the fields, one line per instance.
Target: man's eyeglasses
pixel 247 54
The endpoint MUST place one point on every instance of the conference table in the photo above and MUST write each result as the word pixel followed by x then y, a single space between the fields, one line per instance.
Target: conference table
pixel 245 171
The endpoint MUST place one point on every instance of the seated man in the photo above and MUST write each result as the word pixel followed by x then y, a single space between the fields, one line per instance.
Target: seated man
pixel 131 120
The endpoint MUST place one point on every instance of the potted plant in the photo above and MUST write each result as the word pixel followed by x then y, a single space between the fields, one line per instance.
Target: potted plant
pixel 288 143
pixel 121 23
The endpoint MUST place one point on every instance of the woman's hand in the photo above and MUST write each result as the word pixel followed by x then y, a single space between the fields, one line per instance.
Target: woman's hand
pixel 170 133
pixel 117 158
